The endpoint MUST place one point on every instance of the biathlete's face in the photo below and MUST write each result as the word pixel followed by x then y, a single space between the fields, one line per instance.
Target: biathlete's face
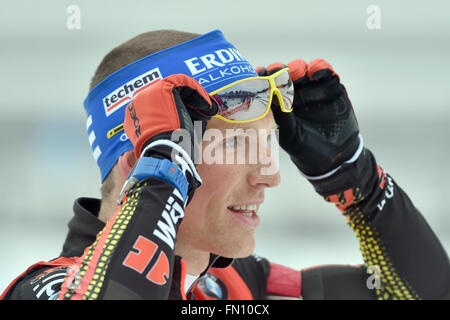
pixel 237 166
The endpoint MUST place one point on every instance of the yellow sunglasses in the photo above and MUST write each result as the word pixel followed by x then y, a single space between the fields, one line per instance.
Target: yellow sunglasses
pixel 249 99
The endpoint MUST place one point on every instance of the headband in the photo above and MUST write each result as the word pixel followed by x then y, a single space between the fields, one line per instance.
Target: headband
pixel 210 59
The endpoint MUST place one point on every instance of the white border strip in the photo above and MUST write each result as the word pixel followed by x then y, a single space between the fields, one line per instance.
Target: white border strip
pixel 183 153
pixel 351 160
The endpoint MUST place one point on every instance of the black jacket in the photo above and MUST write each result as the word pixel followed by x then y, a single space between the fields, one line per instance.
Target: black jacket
pixel 124 259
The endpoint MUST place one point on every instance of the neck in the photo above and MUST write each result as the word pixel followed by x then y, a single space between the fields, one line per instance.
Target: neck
pixel 107 210
pixel 196 260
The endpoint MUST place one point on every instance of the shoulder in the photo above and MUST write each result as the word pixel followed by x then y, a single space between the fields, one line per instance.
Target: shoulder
pixel 246 275
pixel 252 266
pixel 261 278
pixel 41 281
pixel 271 280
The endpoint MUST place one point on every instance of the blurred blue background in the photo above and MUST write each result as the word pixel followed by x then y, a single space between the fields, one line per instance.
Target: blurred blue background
pixel 397 78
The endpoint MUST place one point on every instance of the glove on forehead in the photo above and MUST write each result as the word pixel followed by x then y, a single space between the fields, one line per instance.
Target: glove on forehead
pixel 210 59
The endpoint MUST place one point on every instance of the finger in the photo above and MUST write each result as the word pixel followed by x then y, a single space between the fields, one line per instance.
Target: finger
pixel 152 111
pixel 196 103
pixel 274 67
pixel 162 107
pixel 261 71
pixel 193 95
pixel 297 69
pixel 319 69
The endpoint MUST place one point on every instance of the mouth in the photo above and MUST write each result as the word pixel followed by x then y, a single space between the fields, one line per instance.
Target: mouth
pixel 246 213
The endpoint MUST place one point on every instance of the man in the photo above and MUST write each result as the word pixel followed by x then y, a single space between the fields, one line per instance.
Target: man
pixel 184 226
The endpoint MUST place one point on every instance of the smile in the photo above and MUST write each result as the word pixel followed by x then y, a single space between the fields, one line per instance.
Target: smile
pixel 246 214
pixel 247 210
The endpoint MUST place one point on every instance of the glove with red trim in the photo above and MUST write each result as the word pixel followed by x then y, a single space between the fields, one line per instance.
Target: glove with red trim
pixel 167 107
pixel 321 133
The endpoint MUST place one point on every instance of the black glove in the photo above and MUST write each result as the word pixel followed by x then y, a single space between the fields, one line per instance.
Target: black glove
pixel 321 132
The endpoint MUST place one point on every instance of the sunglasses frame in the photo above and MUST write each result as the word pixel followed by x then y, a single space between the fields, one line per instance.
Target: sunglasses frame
pixel 273 91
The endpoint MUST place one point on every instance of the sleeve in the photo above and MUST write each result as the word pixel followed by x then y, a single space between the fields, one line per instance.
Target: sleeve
pixel 403 258
pixel 133 256
pixel 42 283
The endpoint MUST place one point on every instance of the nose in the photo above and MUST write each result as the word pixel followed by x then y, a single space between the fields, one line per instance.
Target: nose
pixel 256 179
pixel 265 173
pixel 265 176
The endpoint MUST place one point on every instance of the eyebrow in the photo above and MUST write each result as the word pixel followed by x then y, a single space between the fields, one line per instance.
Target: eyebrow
pixel 244 127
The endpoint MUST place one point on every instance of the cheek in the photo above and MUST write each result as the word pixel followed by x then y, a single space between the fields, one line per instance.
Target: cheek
pixel 206 213
pixel 219 181
pixel 207 224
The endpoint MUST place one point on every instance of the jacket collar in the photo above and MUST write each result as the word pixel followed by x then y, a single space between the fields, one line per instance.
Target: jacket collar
pixel 84 226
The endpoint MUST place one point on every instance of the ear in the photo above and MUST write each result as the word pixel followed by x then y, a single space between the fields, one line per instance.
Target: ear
pixel 126 162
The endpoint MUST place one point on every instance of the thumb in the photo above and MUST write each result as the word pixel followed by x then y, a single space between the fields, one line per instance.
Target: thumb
pixel 287 124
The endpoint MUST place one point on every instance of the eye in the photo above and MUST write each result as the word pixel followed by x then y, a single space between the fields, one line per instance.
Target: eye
pixel 231 142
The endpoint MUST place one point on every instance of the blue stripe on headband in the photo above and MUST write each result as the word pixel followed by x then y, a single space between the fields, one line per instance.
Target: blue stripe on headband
pixel 209 59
